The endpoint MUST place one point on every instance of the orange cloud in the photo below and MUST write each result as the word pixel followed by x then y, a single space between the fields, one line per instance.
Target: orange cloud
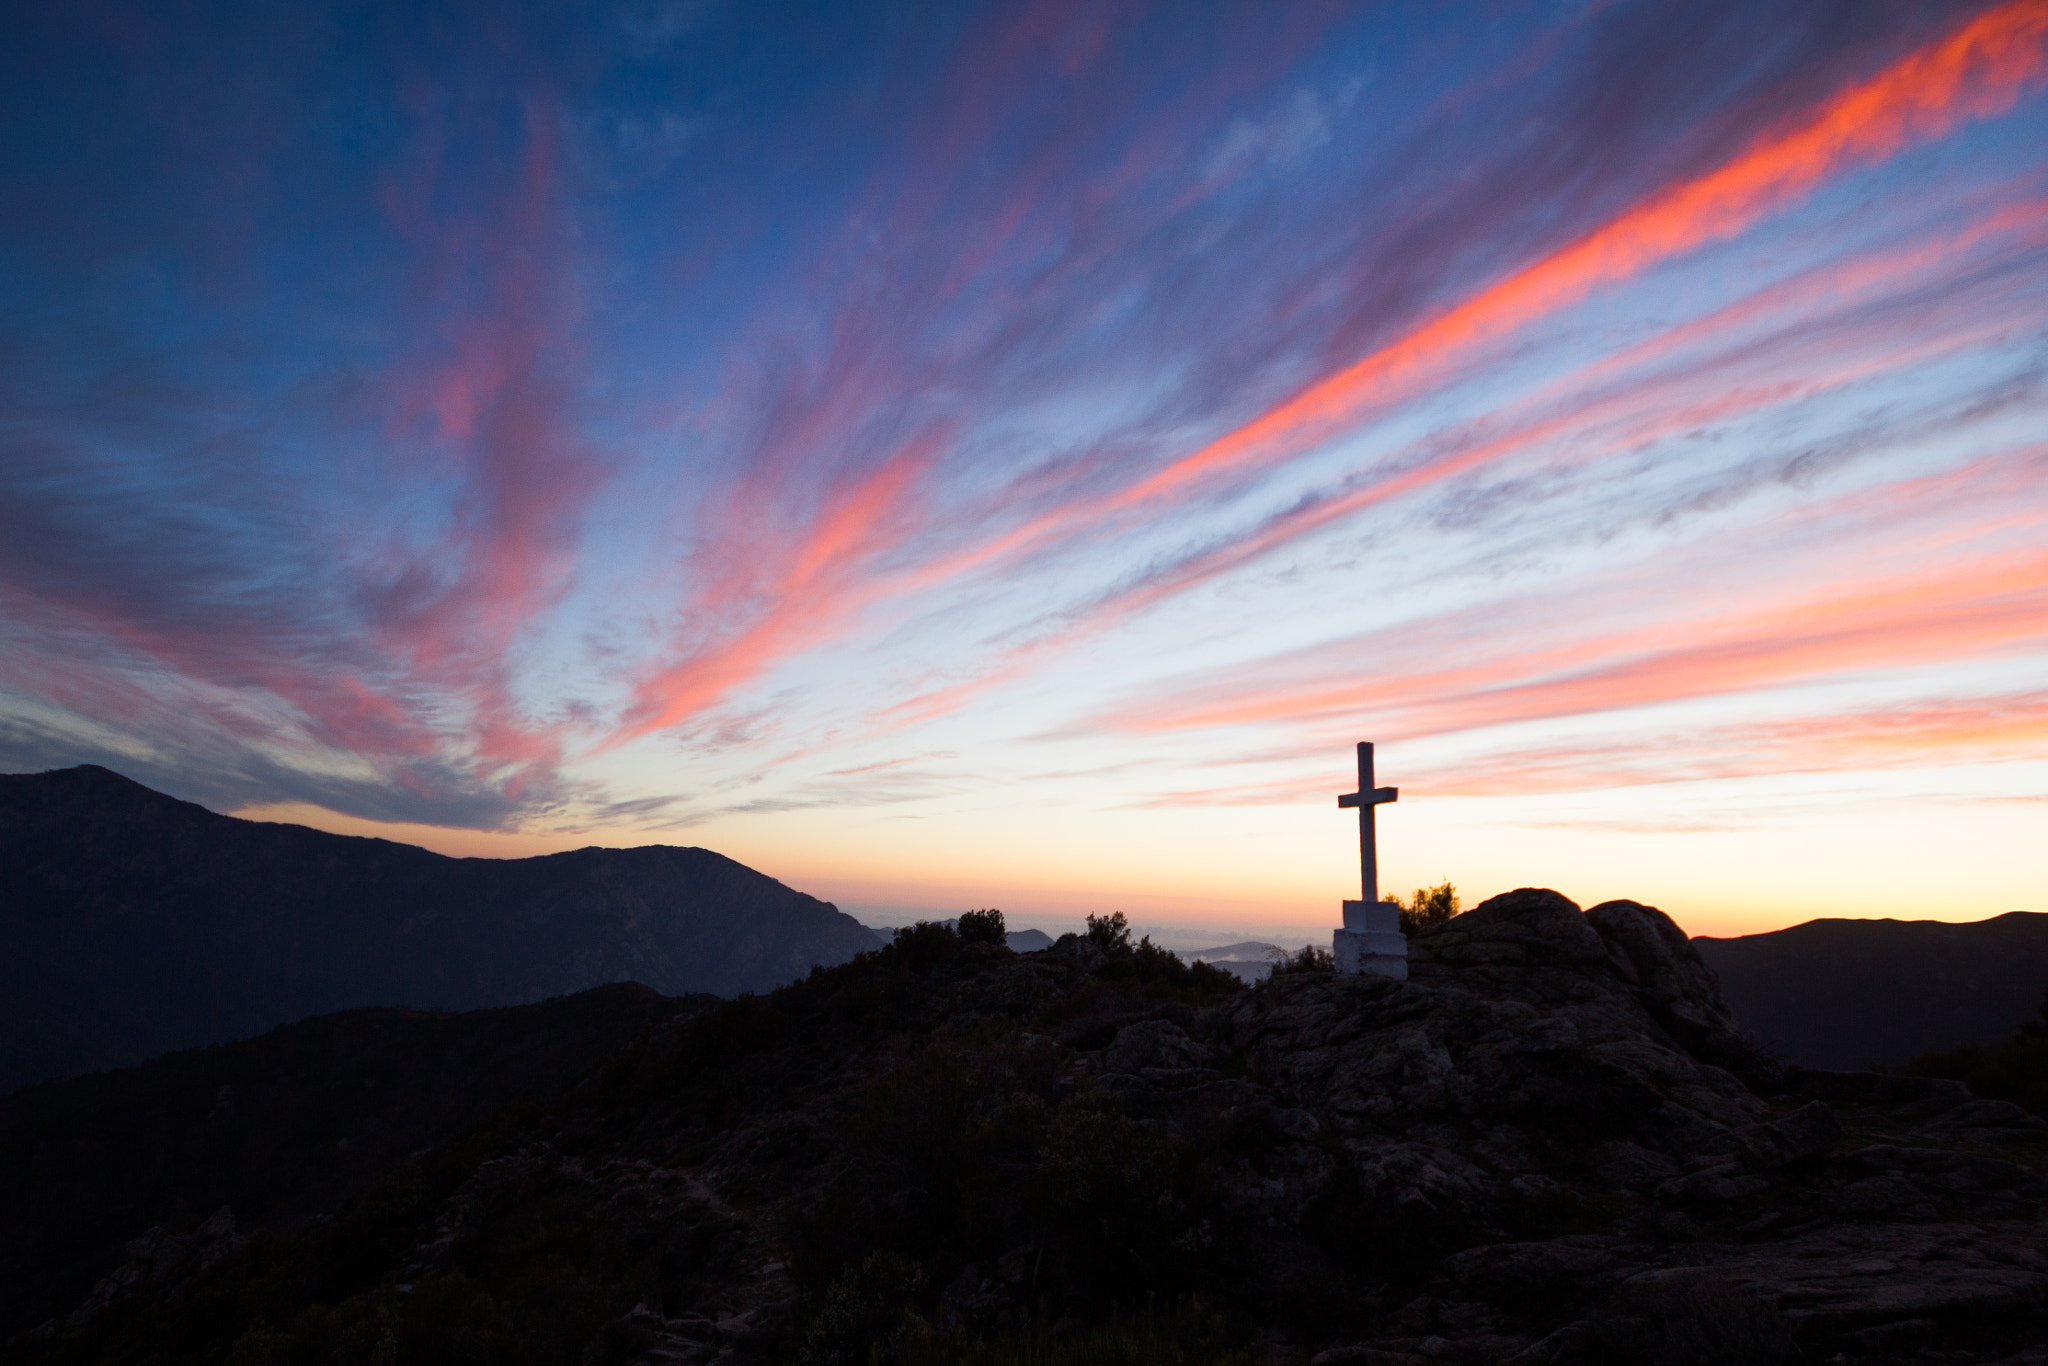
pixel 1934 732
pixel 1980 70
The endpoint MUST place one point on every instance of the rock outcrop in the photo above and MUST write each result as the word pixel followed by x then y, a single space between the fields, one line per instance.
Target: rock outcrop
pixel 1546 1059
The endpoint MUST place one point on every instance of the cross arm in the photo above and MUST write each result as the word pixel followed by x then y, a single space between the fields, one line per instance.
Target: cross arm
pixel 1380 796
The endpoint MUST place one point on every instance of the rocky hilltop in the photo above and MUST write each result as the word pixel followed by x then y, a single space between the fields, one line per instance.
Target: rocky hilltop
pixel 1550 1145
pixel 134 923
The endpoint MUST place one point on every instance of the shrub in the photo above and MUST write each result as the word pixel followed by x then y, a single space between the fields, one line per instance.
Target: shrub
pixel 1110 933
pixel 1124 1206
pixel 926 945
pixel 1153 971
pixel 982 927
pixel 1310 959
pixel 2015 1070
pixel 1429 906
pixel 866 1314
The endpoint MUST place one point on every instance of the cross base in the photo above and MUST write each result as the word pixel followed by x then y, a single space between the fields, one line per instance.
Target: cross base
pixel 1371 941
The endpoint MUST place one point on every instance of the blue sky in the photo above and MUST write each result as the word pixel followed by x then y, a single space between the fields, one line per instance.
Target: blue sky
pixel 966 455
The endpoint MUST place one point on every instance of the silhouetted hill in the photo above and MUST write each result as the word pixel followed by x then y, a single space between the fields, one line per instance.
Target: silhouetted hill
pixel 134 923
pixel 277 1127
pixel 1849 993
pixel 1547 1147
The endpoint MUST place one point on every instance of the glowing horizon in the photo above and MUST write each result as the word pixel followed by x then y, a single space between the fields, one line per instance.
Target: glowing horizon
pixel 1009 456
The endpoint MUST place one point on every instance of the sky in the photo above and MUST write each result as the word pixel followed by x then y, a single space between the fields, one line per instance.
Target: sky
pixel 964 455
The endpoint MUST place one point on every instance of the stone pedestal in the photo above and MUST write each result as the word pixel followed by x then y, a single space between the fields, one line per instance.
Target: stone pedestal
pixel 1371 940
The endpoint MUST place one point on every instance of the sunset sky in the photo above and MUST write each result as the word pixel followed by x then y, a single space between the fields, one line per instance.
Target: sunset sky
pixel 959 455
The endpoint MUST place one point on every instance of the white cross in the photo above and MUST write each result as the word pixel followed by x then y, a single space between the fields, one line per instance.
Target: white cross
pixel 1365 799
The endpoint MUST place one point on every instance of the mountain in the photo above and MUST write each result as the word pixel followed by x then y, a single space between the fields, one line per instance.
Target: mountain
pixel 134 923
pixel 1849 993
pixel 275 1128
pixel 1547 1147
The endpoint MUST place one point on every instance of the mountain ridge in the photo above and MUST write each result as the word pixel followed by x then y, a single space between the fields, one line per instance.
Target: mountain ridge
pixel 138 923
pixel 1843 993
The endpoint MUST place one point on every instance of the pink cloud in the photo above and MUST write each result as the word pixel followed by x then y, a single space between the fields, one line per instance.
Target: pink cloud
pixel 1957 603
pixel 1981 69
pixel 768 597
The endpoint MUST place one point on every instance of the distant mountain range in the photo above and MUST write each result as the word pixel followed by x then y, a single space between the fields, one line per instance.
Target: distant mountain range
pixel 1849 993
pixel 133 923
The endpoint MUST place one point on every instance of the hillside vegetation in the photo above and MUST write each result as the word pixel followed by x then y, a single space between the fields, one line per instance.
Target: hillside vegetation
pixel 2014 1069
pixel 1548 1146
pixel 277 1128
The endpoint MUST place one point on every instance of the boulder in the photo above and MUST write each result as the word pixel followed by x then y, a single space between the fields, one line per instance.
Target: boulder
pixel 1531 926
pixel 1810 1132
pixel 1650 952
pixel 1524 1272
pixel 1153 1044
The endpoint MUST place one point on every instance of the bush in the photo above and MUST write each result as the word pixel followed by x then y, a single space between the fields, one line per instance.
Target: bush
pixel 1124 1206
pixel 1310 959
pixel 1110 933
pixel 2015 1070
pixel 926 945
pixel 1150 971
pixel 865 1315
pixel 982 927
pixel 1429 906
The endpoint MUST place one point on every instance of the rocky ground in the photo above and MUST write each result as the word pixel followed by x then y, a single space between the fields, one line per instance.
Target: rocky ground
pixel 1548 1146
pixel 1584 1064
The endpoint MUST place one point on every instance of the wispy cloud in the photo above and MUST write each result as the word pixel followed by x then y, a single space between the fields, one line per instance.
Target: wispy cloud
pixel 1980 69
pixel 1519 660
pixel 680 417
